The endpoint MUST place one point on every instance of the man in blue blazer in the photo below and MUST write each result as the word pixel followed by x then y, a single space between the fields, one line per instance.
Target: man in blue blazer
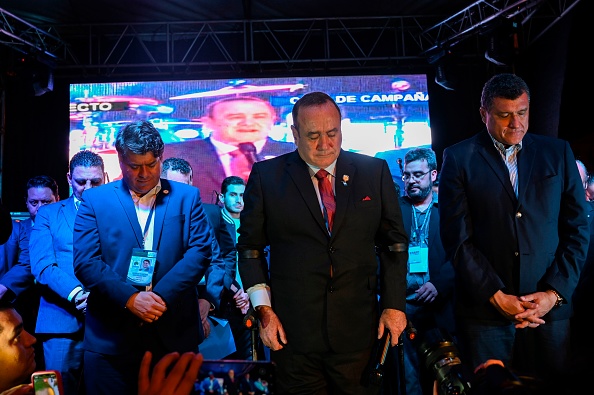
pixel 318 301
pixel 60 320
pixel 234 122
pixel 141 215
pixel 514 224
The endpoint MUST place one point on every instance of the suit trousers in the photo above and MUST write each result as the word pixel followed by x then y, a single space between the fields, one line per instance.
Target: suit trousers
pixel 320 373
pixel 65 355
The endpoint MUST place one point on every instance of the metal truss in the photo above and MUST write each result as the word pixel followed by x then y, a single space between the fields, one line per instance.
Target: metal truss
pixel 254 46
pixel 534 17
pixel 281 45
pixel 23 37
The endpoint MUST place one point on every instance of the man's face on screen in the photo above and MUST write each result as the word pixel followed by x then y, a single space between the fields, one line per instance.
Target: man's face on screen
pixel 241 121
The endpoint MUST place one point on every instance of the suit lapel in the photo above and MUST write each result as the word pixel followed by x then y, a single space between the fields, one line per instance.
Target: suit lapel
pixel 526 158
pixel 344 167
pixel 161 204
pixel 68 211
pixel 123 195
pixel 214 172
pixel 299 172
pixel 493 159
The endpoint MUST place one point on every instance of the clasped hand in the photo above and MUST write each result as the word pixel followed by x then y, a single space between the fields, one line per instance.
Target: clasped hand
pixel 146 305
pixel 526 311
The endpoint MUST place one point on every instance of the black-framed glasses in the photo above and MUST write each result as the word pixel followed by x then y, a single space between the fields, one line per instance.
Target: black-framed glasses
pixel 418 175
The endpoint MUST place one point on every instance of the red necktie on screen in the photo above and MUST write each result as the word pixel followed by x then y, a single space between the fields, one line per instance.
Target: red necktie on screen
pixel 325 188
pixel 242 160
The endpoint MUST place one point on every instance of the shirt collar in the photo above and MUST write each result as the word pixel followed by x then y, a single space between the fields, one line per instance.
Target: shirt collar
pixel 330 169
pixel 149 195
pixel 502 148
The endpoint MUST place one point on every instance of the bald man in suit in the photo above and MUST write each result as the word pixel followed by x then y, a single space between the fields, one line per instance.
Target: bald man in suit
pixel 318 302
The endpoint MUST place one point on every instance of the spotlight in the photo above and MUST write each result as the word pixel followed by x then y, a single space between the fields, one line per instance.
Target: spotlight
pixel 443 76
pixel 503 44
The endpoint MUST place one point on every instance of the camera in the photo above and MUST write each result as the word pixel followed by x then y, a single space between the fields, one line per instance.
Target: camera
pixel 441 356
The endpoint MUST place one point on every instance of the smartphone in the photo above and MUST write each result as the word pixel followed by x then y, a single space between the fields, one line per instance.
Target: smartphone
pixel 47 382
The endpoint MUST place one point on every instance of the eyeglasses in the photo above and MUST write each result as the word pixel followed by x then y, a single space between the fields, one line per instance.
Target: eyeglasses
pixel 416 175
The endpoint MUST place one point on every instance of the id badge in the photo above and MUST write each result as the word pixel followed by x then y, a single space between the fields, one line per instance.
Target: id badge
pixel 418 259
pixel 142 266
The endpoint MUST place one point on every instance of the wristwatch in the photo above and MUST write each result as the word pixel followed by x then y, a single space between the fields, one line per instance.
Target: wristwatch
pixel 560 300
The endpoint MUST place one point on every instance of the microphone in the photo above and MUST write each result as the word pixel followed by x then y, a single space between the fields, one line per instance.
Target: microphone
pixel 249 150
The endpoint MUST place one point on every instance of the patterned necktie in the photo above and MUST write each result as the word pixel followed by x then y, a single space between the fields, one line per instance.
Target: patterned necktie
pixel 242 160
pixel 327 195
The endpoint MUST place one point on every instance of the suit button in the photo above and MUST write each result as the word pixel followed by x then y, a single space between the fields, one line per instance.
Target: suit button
pixel 518 215
pixel 331 289
pixel 516 253
pixel 332 250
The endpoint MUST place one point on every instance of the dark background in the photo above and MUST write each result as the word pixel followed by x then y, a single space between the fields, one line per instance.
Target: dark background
pixel 35 138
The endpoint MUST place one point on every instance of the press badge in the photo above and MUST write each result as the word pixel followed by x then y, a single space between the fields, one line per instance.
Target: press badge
pixel 142 266
pixel 418 259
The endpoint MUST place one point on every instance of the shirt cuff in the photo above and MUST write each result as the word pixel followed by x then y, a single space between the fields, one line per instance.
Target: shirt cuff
pixel 74 292
pixel 259 295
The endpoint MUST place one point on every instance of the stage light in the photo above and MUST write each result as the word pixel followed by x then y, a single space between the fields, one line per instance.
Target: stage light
pixel 503 44
pixel 443 76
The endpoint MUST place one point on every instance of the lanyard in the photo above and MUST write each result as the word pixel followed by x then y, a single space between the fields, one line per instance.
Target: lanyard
pixel 420 231
pixel 148 223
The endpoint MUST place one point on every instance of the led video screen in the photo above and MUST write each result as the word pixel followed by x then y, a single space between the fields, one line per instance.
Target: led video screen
pixel 383 115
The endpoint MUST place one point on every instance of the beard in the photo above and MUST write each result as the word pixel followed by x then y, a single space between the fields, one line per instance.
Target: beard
pixel 420 194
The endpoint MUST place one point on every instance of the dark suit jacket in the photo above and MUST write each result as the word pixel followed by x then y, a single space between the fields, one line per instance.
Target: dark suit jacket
pixel 50 248
pixel 105 232
pixel 521 245
pixel 320 312
pixel 441 271
pixel 208 170
pixel 225 235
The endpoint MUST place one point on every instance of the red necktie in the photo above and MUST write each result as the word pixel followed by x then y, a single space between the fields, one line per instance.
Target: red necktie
pixel 242 160
pixel 327 196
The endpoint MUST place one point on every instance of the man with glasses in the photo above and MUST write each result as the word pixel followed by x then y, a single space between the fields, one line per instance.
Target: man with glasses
pixel 430 276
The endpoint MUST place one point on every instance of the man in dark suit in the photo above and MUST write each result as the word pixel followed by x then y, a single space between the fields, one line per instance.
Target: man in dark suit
pixel 514 224
pixel 240 128
pixel 317 302
pixel 60 319
pixel 122 222
pixel 234 301
pixel 17 283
